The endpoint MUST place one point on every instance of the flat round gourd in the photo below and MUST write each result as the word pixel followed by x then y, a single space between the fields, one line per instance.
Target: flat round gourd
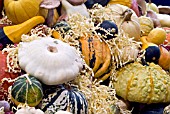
pixel 63 97
pixel 143 84
pixel 27 89
pixel 50 60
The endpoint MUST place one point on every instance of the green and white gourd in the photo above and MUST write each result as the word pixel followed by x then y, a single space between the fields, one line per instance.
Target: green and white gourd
pixel 27 90
pixel 60 98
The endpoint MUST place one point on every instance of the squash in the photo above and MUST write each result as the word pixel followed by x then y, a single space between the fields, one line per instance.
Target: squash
pixel 96 54
pixel 122 2
pixel 4 85
pixel 134 26
pixel 152 6
pixel 143 84
pixel 63 97
pixel 12 34
pixel 164 60
pixel 157 36
pixel 108 29
pixel 26 90
pixel 45 58
pixel 19 11
pixel 29 110
pixel 146 25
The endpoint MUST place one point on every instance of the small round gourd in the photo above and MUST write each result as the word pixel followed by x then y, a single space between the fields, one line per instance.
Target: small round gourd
pixel 108 28
pixel 152 54
pixel 61 97
pixel 50 60
pixel 146 25
pixel 27 89
pixel 143 84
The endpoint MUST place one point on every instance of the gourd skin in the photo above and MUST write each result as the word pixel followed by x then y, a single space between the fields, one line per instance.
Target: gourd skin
pixel 27 90
pixel 50 60
pixel 61 98
pixel 143 84
pixel 19 11
pixel 12 34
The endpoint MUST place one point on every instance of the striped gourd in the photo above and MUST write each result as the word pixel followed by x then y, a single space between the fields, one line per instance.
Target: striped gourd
pixel 97 55
pixel 61 98
pixel 27 89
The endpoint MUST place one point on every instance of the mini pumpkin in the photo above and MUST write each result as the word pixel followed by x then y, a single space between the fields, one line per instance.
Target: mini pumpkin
pixel 4 84
pixel 146 25
pixel 50 60
pixel 19 11
pixel 63 97
pixel 143 84
pixel 26 89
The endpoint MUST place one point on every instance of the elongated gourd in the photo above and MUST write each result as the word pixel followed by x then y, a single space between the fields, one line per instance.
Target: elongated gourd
pixel 12 34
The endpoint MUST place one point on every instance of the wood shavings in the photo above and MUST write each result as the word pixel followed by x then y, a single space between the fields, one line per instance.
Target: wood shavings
pixel 12 60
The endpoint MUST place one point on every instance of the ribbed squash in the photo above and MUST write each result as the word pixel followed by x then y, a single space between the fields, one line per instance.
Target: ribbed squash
pixel 62 97
pixel 143 84
pixel 97 55
pixel 19 11
pixel 146 25
pixel 5 74
pixel 27 89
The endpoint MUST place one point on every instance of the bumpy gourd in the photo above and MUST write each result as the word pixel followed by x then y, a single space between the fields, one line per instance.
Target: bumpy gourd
pixel 50 60
pixel 12 34
pixel 19 11
pixel 143 84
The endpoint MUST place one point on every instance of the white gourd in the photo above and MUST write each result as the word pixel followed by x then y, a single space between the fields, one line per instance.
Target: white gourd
pixel 50 60
pixel 29 110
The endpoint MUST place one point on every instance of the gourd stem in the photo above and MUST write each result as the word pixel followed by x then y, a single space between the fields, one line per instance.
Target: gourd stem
pixel 150 1
pixel 29 81
pixel 127 14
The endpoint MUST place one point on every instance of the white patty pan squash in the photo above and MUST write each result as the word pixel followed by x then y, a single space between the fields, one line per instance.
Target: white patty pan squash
pixel 143 84
pixel 50 60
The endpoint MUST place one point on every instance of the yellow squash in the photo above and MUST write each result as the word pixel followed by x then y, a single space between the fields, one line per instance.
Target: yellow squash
pixel 19 11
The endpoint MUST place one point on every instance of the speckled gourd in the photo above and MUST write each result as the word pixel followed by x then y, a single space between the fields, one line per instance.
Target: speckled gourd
pixel 143 84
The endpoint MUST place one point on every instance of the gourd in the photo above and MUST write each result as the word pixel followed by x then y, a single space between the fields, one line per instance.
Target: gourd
pixel 108 29
pixel 27 89
pixel 164 20
pixel 146 25
pixel 50 60
pixel 12 34
pixel 164 60
pixel 29 110
pixel 96 54
pixel 143 84
pixel 4 74
pixel 122 2
pixel 19 11
pixel 63 97
pixel 157 36
pixel 152 51
pixel 127 23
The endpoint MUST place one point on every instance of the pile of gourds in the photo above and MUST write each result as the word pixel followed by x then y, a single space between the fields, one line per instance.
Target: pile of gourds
pixel 54 54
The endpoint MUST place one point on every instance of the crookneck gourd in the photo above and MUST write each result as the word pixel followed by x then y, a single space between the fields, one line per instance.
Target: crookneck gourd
pixel 97 55
pixel 50 60
pixel 143 84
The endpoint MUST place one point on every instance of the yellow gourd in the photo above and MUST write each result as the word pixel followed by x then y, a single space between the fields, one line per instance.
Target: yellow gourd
pixel 157 36
pixel 122 2
pixel 12 34
pixel 19 11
